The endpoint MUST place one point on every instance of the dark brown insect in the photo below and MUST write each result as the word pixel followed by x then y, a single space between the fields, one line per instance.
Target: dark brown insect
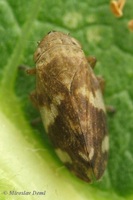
pixel 69 98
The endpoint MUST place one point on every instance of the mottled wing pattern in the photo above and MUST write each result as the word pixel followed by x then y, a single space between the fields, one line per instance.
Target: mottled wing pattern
pixel 74 118
pixel 88 102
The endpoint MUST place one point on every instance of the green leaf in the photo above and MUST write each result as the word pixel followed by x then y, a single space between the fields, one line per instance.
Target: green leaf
pixel 27 159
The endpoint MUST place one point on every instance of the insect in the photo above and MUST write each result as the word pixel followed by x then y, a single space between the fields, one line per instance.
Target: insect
pixel 69 98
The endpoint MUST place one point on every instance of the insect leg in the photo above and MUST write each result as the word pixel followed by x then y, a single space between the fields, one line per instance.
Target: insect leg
pixel 33 98
pixel 110 109
pixel 101 83
pixel 36 121
pixel 30 71
pixel 92 61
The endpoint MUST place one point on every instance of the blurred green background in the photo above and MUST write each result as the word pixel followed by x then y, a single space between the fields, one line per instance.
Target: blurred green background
pixel 27 159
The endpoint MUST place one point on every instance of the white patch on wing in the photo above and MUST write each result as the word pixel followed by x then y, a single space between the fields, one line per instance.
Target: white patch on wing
pixel 58 98
pixel 91 154
pixel 84 156
pixel 97 100
pixel 64 156
pixel 83 90
pixel 48 115
pixel 105 144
